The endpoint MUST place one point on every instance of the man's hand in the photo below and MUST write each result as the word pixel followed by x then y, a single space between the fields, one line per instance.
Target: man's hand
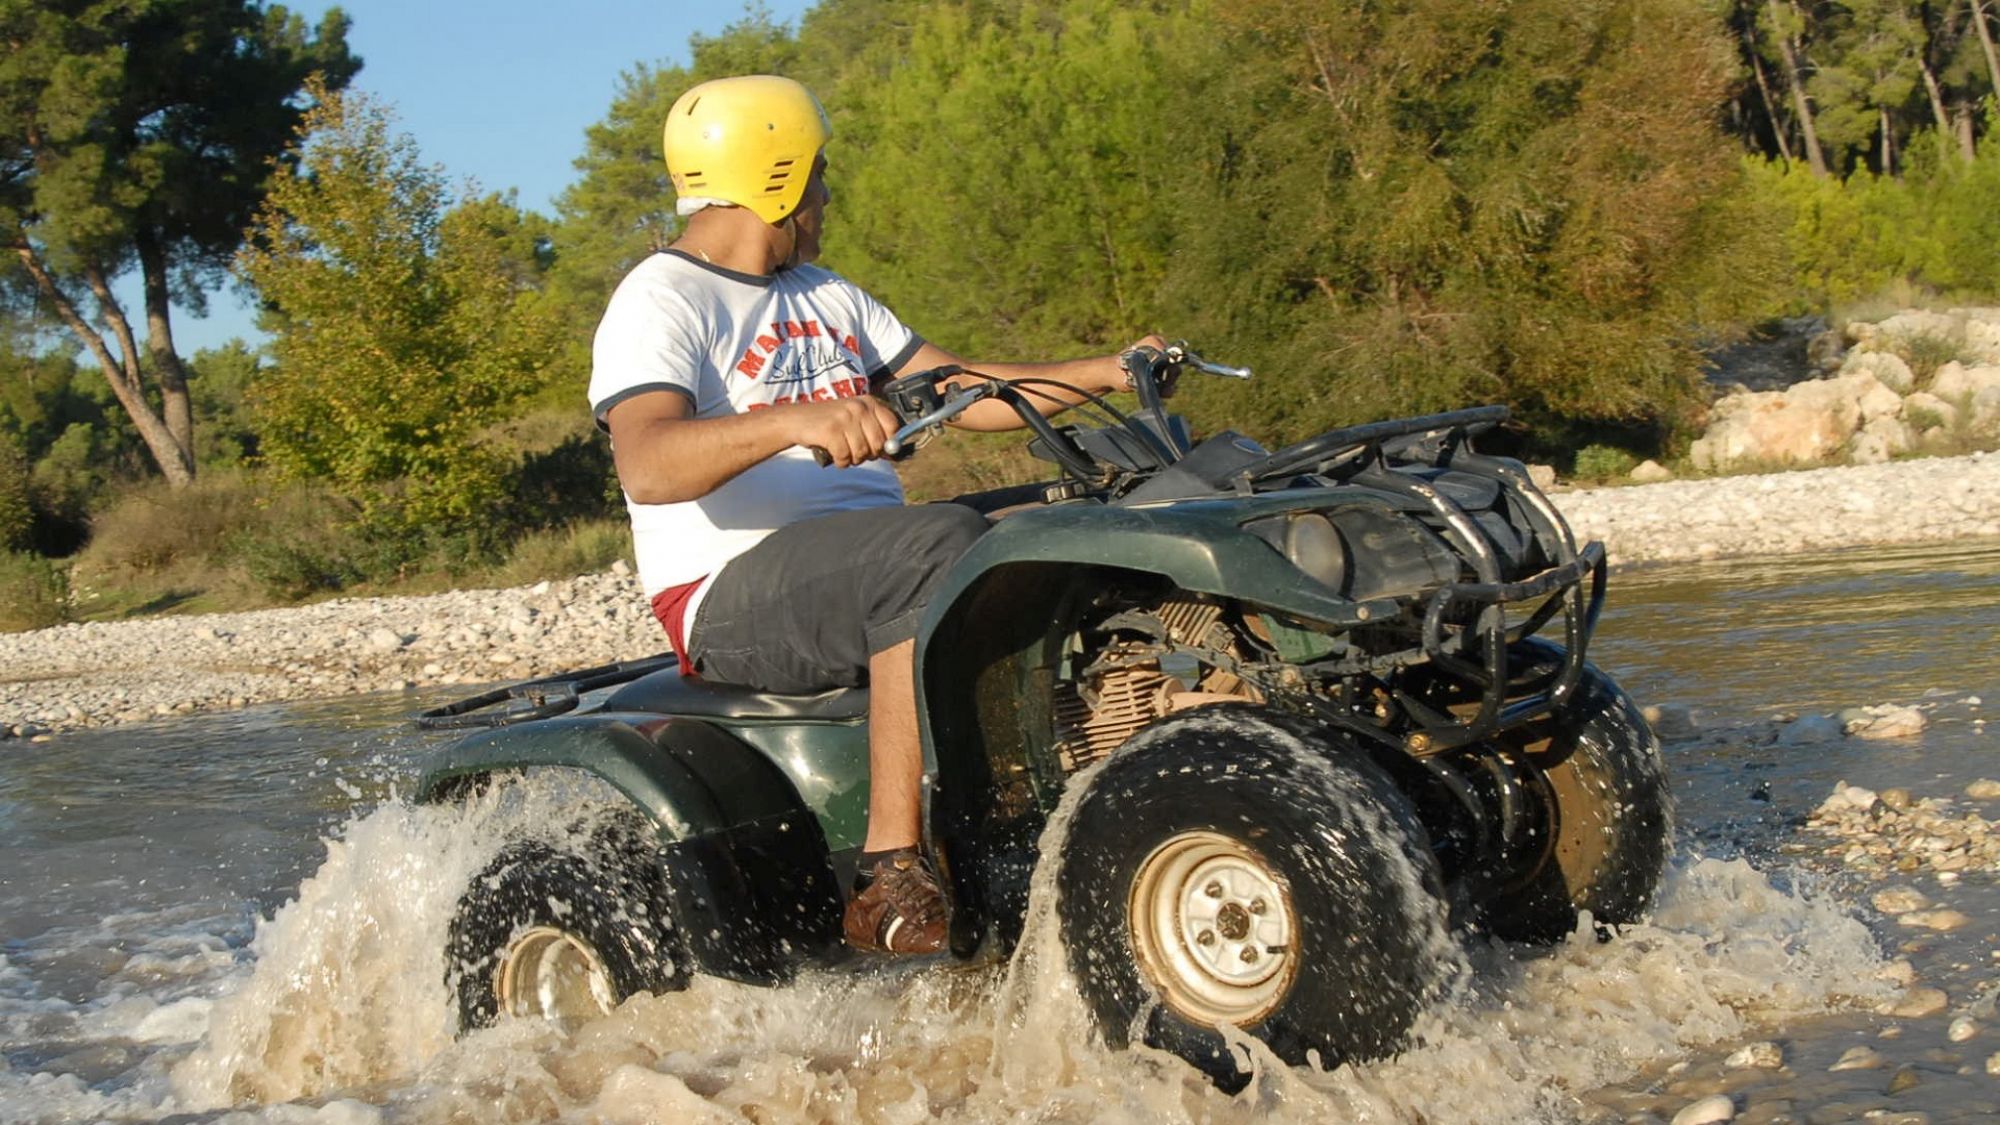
pixel 1149 345
pixel 851 430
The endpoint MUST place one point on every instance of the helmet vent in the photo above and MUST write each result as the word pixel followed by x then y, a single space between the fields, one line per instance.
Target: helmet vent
pixel 691 105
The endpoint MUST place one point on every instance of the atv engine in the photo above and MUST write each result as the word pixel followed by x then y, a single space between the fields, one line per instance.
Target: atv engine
pixel 1125 682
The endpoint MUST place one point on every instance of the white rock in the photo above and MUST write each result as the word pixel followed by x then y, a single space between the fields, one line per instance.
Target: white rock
pixel 1962 1029
pixel 1941 920
pixel 1985 789
pixel 1708 1111
pixel 1651 472
pixel 1916 1004
pixel 1888 722
pixel 1887 367
pixel 1900 900
pixel 1858 1058
pixel 1846 797
pixel 1764 1055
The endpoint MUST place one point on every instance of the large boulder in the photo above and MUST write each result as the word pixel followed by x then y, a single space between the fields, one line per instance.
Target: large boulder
pixel 1879 440
pixel 1955 381
pixel 1986 412
pixel 1927 411
pixel 1805 425
pixel 1887 368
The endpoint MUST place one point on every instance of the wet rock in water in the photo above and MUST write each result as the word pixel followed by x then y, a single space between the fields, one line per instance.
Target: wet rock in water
pixel 1985 789
pixel 1900 900
pixel 1886 721
pixel 1905 1079
pixel 1858 1058
pixel 1846 798
pixel 1962 1029
pixel 1764 1055
pixel 1993 1063
pixel 1811 728
pixel 1943 921
pixel 1899 971
pixel 1898 799
pixel 1708 1111
pixel 1670 721
pixel 1917 1003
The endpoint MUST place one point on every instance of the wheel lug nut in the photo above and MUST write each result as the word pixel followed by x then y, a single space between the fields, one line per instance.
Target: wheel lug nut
pixel 1206 937
pixel 1213 890
pixel 1249 955
pixel 1256 906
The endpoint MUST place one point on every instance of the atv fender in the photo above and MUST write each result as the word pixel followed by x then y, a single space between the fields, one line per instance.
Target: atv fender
pixel 745 862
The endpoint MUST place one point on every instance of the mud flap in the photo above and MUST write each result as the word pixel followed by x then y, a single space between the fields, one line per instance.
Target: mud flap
pixel 754 899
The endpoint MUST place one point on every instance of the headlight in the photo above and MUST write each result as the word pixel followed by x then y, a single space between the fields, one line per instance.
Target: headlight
pixel 1310 541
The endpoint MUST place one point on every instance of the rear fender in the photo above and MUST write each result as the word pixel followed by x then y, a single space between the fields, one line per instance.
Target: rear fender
pixel 746 864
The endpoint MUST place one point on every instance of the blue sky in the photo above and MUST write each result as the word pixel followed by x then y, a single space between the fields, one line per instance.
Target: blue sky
pixel 499 91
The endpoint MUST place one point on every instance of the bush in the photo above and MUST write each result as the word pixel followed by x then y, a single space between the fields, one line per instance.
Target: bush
pixel 154 526
pixel 17 510
pixel 34 592
pixel 565 552
pixel 1603 462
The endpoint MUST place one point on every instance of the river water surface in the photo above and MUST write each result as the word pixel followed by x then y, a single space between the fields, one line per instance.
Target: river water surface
pixel 237 917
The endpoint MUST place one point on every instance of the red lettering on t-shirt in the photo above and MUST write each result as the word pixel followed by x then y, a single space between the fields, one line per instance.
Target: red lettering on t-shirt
pixel 811 327
pixel 768 343
pixel 851 344
pixel 820 394
pixel 751 364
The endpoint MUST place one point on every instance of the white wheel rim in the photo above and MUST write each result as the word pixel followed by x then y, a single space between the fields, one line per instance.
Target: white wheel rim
pixel 1213 926
pixel 548 974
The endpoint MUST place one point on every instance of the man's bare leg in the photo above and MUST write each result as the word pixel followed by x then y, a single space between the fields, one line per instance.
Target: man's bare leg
pixel 895 755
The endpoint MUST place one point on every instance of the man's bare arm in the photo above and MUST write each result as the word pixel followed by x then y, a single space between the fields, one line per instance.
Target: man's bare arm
pixel 664 455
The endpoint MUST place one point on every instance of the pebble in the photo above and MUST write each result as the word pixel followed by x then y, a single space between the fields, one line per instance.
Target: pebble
pixel 1900 900
pixel 1708 1111
pixel 1993 1063
pixel 1943 920
pixel 1764 1055
pixel 1962 1029
pixel 1984 789
pixel 1906 1078
pixel 1917 1003
pixel 1858 1058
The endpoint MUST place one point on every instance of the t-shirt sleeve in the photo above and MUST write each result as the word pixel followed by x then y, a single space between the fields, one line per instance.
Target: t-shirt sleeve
pixel 651 339
pixel 886 343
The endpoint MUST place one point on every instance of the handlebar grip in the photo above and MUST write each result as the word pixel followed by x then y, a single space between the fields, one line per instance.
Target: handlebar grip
pixel 821 455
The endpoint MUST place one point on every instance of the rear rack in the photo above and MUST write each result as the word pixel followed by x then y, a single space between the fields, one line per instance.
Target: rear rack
pixel 538 698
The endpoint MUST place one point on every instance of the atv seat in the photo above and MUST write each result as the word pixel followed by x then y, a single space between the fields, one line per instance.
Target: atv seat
pixel 665 692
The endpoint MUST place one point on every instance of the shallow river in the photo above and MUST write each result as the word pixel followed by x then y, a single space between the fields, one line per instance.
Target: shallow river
pixel 236 918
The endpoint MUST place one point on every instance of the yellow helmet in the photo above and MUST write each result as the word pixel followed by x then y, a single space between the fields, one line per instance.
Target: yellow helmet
pixel 749 140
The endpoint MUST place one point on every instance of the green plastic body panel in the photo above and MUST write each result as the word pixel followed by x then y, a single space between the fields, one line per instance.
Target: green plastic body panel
pixel 826 765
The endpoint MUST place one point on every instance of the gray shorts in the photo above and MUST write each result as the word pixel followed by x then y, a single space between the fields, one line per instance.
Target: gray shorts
pixel 803 610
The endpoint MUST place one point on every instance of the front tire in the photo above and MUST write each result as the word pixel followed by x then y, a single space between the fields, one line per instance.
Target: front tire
pixel 567 938
pixel 1232 866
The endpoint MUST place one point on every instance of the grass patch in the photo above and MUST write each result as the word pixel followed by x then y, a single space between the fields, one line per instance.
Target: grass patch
pixel 34 592
pixel 1603 463
pixel 564 552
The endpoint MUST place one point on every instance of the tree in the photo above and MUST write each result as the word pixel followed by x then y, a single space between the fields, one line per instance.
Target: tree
pixel 140 134
pixel 1425 204
pixel 403 325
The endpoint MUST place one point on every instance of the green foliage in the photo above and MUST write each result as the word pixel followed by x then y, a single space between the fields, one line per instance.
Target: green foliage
pixel 1426 204
pixel 1002 191
pixel 142 135
pixel 404 325
pixel 17 511
pixel 1603 462
pixel 220 380
pixel 153 527
pixel 34 592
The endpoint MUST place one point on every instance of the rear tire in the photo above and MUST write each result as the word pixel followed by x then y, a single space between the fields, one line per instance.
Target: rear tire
pixel 1235 866
pixel 545 934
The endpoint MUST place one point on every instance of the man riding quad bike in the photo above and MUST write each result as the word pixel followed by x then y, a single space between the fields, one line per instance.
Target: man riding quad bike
pixel 1297 705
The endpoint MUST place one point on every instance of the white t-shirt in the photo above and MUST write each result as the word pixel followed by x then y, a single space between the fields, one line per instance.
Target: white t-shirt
pixel 731 342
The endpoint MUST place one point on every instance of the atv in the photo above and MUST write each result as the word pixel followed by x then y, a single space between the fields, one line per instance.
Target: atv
pixel 1292 724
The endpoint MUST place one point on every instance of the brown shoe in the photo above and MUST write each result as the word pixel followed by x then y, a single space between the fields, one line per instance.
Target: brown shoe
pixel 901 910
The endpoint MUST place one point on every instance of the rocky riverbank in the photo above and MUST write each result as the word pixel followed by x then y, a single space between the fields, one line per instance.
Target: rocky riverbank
pixel 128 671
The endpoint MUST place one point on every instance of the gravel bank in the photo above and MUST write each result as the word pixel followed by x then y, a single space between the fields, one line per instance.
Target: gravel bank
pixel 127 671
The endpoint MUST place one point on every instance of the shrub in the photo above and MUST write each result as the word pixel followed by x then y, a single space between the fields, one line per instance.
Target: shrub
pixel 1926 352
pixel 155 526
pixel 17 510
pixel 1603 462
pixel 34 592
pixel 565 552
